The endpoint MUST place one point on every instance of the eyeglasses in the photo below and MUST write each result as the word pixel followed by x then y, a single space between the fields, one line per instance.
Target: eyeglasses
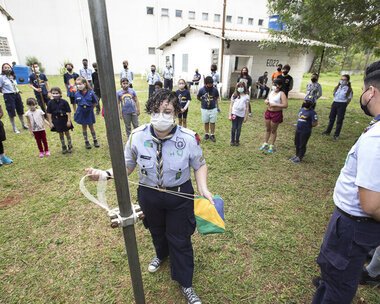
pixel 166 114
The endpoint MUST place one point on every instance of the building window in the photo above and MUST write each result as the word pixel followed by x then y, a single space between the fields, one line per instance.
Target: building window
pixel 240 20
pixel 261 21
pixel 191 15
pixel 151 51
pixel 185 62
pixel 5 50
pixel 178 13
pixel 229 18
pixel 149 10
pixel 165 12
pixel 250 21
pixel 204 16
pixel 217 18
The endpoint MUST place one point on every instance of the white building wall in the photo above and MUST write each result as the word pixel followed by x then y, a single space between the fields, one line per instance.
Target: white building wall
pixel 5 31
pixel 56 30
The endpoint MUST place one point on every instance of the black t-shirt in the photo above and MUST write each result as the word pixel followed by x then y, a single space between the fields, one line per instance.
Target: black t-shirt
pixel 287 83
pixel 246 78
pixel 263 79
pixel 95 81
pixel 59 107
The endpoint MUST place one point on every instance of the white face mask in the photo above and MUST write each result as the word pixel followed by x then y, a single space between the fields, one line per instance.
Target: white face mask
pixel 32 108
pixel 37 69
pixel 181 86
pixel 80 87
pixel 274 88
pixel 56 96
pixel 161 122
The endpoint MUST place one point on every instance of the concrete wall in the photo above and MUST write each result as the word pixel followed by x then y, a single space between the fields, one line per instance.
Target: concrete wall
pixel 56 30
pixel 5 31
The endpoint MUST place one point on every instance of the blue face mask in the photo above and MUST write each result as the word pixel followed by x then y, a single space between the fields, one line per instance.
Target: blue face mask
pixel 156 90
pixel 343 82
pixel 240 90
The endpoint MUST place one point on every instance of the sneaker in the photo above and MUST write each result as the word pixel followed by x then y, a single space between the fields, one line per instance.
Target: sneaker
pixel 366 279
pixel 6 160
pixel 25 127
pixel 41 154
pixel 212 137
pixel 232 143
pixel 47 153
pixel 190 295
pixel 316 281
pixel 264 147
pixel 292 158
pixel 154 264
pixel 15 131
pixel 237 144
pixel 96 144
pixel 64 149
pixel 325 133
pixel 296 160
pixel 336 137
pixel 87 145
pixel 271 149
pixel 206 137
pixel 250 115
pixel 70 149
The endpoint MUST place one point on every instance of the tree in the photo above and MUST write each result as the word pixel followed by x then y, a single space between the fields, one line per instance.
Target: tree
pixel 341 22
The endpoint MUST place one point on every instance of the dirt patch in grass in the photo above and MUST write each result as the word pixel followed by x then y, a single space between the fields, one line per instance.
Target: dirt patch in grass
pixel 10 200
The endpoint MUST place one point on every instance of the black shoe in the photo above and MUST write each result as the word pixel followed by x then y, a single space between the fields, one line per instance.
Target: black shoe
pixel 316 281
pixel 190 295
pixel 70 149
pixel 25 127
pixel 336 137
pixel 232 143
pixel 87 144
pixel 237 144
pixel 366 279
pixel 213 139
pixel 96 144
pixel 64 149
pixel 206 137
pixel 325 133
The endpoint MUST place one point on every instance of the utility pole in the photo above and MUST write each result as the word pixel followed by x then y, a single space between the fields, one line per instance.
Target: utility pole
pixel 222 50
pixel 99 24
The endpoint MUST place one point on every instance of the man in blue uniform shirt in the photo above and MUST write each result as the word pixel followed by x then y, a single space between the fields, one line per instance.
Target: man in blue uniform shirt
pixel 152 78
pixel 168 75
pixel 354 227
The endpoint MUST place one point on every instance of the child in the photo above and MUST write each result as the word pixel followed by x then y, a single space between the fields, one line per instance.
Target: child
pixel 59 116
pixel 39 83
pixel 129 106
pixel 209 95
pixel 3 158
pixel 238 111
pixel 157 86
pixel 307 119
pixel 314 89
pixel 86 101
pixel 36 120
pixel 184 98
pixel 69 80
pixel 276 101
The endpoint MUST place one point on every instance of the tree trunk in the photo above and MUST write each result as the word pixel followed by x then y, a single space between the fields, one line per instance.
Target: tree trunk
pixel 312 64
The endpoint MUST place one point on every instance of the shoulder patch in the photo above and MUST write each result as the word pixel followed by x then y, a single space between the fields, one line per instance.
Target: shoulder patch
pixel 141 128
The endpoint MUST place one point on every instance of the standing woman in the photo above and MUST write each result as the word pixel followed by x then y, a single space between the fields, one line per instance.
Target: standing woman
pixel 276 101
pixel 342 97
pixel 169 217
pixel 244 77
pixel 12 98
pixel 86 101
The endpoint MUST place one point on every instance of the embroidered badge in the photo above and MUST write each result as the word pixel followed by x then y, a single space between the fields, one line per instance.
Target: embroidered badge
pixel 180 143
pixel 144 172
pixel 148 144
pixel 179 152
pixel 178 175
pixel 201 159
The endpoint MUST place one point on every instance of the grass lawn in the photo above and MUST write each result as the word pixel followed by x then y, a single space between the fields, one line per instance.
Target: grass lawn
pixel 57 247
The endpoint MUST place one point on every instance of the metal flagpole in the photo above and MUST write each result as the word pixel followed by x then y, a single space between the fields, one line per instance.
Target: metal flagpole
pixel 99 24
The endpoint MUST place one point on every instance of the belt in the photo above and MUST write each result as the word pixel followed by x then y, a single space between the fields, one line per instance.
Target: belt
pixel 176 189
pixel 357 218
pixel 13 93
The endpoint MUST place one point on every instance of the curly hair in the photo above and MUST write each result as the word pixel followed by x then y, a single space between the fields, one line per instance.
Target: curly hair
pixel 157 98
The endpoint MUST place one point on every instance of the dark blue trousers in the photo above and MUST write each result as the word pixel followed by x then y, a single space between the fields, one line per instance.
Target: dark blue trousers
pixel 337 109
pixel 171 222
pixel 236 128
pixel 342 256
pixel 168 84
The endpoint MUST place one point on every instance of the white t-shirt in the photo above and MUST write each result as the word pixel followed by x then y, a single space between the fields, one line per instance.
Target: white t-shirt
pixel 36 119
pixel 240 105
pixel 362 169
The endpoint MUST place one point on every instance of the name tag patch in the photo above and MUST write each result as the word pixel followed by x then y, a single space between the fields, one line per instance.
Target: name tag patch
pixel 145 157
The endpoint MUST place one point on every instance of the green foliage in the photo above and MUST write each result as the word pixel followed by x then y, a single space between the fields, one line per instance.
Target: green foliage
pixel 30 59
pixel 62 68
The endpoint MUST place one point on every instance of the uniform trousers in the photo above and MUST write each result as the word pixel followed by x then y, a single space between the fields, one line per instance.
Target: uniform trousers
pixel 343 253
pixel 337 109
pixel 171 222
pixel 300 141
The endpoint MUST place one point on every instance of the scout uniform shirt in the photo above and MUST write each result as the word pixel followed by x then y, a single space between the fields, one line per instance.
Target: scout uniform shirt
pixel 180 152
pixel 8 84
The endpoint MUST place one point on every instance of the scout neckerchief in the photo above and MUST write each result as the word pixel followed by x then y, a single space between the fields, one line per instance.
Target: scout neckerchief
pixel 10 77
pixel 159 142
pixel 373 121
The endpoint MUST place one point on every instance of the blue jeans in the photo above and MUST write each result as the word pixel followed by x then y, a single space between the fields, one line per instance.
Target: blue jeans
pixel 262 89
pixel 236 128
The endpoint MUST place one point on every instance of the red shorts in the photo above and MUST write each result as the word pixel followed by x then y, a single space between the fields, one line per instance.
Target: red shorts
pixel 275 117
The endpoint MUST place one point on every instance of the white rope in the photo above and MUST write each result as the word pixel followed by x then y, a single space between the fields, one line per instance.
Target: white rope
pixel 101 201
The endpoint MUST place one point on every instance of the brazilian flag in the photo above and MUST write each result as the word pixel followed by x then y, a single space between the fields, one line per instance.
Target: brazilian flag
pixel 209 217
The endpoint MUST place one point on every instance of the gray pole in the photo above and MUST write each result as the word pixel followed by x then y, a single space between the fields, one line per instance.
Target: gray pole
pixel 99 24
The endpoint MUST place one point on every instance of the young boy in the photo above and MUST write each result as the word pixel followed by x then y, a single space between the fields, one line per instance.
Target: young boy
pixel 69 80
pixel 129 106
pixel 39 83
pixel 209 96
pixel 307 119
pixel 158 85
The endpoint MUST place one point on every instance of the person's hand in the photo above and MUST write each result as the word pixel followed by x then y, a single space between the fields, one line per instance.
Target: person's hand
pixel 245 119
pixel 207 194
pixel 96 174
pixel 138 112
pixel 183 110
pixel 49 95
pixel 267 102
pixel 38 89
pixel 230 117
pixel 121 117
pixel 68 124
pixel 31 132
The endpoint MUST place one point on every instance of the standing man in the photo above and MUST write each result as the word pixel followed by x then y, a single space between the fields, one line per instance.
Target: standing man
pixel 196 79
pixel 86 73
pixel 39 83
pixel 277 72
pixel 95 79
pixel 262 83
pixel 168 76
pixel 286 79
pixel 354 227
pixel 152 78
pixel 127 73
